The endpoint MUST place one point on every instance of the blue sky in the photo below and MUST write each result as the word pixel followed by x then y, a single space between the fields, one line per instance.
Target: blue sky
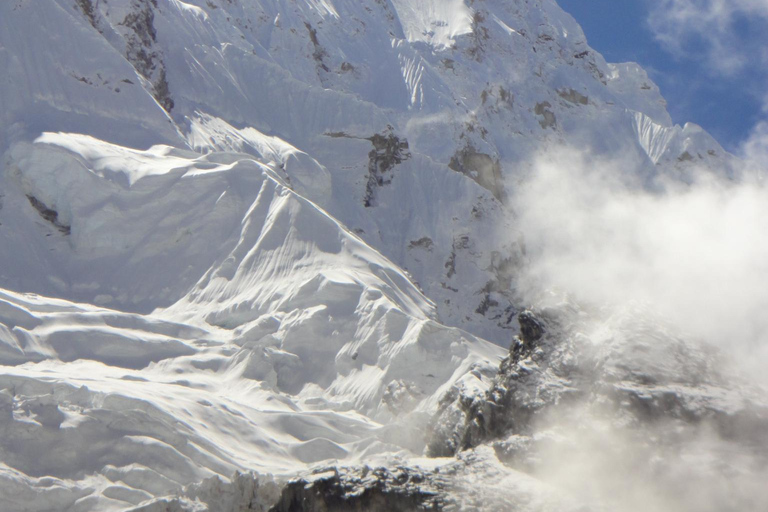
pixel 709 57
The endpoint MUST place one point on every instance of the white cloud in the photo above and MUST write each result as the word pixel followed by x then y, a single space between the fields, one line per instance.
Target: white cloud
pixel 698 254
pixel 754 151
pixel 709 26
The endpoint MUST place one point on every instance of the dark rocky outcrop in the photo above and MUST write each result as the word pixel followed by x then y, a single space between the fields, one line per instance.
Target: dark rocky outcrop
pixel 49 214
pixel 142 51
pixel 531 328
pixel 137 30
pixel 388 151
pixel 482 168
pixel 466 421
pixel 478 36
pixel 424 243
pixel 548 119
pixel 86 6
pixel 361 489
pixel 573 96
pixel 318 53
pixel 640 376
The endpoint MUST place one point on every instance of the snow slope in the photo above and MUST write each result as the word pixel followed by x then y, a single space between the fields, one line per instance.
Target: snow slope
pixel 408 121
pixel 264 235
pixel 286 340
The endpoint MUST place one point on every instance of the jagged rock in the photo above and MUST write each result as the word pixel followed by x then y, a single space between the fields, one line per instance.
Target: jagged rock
pixel 634 372
pixel 573 96
pixel 49 214
pixel 141 48
pixel 548 119
pixel 88 10
pixel 356 489
pixel 319 52
pixel 480 167
pixel 531 328
pixel 423 242
pixel 388 151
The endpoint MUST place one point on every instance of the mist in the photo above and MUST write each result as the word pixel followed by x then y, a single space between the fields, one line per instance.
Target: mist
pixel 695 256
pixel 695 253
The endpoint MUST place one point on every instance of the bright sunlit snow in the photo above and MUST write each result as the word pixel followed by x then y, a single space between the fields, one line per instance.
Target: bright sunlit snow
pixel 365 255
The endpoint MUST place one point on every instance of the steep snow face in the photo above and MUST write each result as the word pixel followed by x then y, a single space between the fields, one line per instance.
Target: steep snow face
pixel 61 74
pixel 283 339
pixel 408 121
pixel 434 22
pixel 631 84
pixel 263 235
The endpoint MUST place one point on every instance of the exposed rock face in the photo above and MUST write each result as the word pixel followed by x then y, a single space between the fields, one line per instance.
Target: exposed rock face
pixel 357 489
pixel 482 168
pixel 531 329
pixel 616 410
pixel 138 32
pixel 573 96
pixel 548 118
pixel 474 481
pixel 388 151
pixel 49 214
pixel 89 11
pixel 141 49
pixel 635 374
pixel 466 421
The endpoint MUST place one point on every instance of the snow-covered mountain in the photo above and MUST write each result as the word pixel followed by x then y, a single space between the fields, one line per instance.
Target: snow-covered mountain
pixel 407 121
pixel 276 236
